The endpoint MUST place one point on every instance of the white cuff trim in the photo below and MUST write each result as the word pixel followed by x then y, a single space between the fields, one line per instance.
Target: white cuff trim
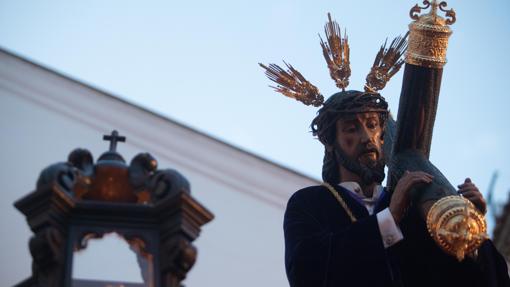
pixel 390 232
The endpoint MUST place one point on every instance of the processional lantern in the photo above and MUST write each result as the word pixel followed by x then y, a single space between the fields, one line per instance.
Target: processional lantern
pixel 148 211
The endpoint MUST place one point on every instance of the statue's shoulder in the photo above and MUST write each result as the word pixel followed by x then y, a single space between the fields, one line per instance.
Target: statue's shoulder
pixel 307 195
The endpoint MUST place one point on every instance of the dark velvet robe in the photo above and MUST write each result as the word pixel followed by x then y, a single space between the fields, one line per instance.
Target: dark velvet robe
pixel 323 248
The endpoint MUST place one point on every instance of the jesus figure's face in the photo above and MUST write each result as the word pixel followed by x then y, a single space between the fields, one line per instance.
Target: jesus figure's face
pixel 358 142
pixel 360 137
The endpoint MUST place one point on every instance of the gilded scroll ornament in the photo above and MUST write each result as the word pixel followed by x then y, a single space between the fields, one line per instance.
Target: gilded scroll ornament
pixel 456 226
pixel 429 33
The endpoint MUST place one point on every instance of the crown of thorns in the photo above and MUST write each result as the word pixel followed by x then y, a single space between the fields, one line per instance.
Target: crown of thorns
pixel 292 84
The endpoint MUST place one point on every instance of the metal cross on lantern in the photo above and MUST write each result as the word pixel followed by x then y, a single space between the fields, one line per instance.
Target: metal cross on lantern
pixel 113 139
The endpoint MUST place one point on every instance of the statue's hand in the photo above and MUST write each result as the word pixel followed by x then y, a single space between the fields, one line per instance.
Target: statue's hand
pixel 400 198
pixel 471 192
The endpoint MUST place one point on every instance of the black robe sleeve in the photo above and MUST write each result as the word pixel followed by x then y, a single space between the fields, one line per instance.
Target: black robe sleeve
pixel 493 265
pixel 323 247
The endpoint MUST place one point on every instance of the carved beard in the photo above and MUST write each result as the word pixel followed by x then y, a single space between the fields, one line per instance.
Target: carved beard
pixel 368 174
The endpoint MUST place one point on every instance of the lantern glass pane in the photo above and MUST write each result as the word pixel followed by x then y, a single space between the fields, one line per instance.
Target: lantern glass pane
pixel 112 261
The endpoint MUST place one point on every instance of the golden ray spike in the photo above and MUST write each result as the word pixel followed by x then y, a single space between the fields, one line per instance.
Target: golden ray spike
pixel 386 64
pixel 293 85
pixel 336 53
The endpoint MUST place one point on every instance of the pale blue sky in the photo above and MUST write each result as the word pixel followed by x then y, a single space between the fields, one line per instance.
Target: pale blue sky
pixel 196 62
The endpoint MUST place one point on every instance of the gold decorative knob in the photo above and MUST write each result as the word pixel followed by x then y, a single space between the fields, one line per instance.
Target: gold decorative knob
pixel 428 35
pixel 456 226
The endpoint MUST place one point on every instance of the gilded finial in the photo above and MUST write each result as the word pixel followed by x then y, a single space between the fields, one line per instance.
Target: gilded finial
pixel 429 33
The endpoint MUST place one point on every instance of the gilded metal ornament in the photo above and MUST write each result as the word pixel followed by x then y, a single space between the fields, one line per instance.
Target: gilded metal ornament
pixel 456 226
pixel 293 85
pixel 336 51
pixel 429 35
pixel 386 64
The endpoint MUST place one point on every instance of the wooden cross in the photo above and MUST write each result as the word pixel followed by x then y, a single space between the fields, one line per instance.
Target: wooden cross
pixel 113 139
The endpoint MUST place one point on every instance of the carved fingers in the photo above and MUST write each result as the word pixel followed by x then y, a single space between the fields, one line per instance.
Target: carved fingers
pixel 412 179
pixel 470 191
pixel 400 198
